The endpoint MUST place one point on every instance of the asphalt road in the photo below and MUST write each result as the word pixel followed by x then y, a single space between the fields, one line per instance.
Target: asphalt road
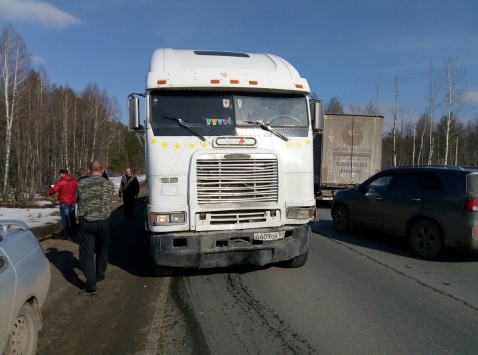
pixel 358 294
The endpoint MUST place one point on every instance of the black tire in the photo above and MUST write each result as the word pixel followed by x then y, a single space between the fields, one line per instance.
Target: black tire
pixel 297 261
pixel 24 335
pixel 163 271
pixel 426 239
pixel 341 218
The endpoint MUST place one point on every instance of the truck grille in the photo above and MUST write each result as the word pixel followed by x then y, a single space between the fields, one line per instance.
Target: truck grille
pixel 237 178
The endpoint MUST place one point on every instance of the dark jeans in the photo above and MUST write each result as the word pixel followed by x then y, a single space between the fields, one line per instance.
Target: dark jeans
pixel 94 237
pixel 128 205
pixel 68 219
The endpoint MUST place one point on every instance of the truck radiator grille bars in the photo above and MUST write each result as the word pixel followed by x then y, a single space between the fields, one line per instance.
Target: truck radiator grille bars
pixel 232 178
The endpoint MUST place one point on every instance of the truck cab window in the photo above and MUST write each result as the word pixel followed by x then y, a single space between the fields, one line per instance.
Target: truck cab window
pixel 277 111
pixel 195 108
pixel 198 108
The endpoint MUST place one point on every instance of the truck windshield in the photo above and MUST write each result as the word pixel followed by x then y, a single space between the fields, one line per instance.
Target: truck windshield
pixel 198 108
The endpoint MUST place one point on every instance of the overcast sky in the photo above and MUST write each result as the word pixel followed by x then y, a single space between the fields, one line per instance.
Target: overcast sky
pixel 345 49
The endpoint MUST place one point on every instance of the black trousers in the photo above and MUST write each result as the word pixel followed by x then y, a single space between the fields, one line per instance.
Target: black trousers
pixel 128 205
pixel 94 237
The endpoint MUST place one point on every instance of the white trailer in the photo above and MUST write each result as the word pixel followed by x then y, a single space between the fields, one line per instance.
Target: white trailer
pixel 347 152
pixel 229 155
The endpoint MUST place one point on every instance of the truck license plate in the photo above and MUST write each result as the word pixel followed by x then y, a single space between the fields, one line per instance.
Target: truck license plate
pixel 269 236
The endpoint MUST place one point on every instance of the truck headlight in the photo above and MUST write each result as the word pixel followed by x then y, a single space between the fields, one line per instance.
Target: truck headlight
pixel 300 212
pixel 157 218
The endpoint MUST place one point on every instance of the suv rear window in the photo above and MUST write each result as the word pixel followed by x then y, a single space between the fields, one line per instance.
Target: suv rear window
pixel 472 183
pixel 455 181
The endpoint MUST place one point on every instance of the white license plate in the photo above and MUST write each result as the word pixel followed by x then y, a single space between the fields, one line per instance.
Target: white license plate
pixel 269 236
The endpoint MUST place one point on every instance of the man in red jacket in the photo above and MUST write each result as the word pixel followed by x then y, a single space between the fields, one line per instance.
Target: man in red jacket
pixel 65 186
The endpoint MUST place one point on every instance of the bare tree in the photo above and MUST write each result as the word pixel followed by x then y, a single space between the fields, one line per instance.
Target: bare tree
pixel 334 106
pixel 431 94
pixel 14 65
pixel 371 108
pixel 376 109
pixel 395 120
pixel 453 98
pixel 422 128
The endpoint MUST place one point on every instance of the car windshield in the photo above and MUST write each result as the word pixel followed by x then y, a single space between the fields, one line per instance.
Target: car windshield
pixel 198 108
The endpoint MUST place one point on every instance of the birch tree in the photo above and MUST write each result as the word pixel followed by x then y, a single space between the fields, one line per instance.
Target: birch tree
pixel 14 65
pixel 453 99
pixel 395 119
pixel 431 94
pixel 422 126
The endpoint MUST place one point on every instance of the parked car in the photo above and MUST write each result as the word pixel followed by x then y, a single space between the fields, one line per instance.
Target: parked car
pixel 435 207
pixel 24 283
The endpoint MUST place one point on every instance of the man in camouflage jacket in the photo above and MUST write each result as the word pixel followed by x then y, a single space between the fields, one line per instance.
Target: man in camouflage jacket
pixel 94 196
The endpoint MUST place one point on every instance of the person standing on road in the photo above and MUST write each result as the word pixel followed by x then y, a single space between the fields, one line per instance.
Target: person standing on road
pixel 129 189
pixel 95 202
pixel 81 174
pixel 65 186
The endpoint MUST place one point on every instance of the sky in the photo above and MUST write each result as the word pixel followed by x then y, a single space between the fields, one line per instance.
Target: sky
pixel 348 49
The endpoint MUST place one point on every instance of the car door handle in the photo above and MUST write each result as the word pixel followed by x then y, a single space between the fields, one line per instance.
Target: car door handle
pixel 416 200
pixel 378 198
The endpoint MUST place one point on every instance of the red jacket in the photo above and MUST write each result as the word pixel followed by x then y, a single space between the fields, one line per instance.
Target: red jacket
pixel 65 186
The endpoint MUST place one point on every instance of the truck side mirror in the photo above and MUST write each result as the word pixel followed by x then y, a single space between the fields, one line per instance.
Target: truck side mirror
pixel 317 111
pixel 133 112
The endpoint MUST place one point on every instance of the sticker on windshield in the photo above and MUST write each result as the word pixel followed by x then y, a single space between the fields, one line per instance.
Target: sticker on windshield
pixel 218 121
pixel 226 103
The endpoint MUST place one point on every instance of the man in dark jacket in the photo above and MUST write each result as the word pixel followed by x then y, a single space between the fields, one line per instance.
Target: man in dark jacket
pixel 95 202
pixel 65 186
pixel 129 190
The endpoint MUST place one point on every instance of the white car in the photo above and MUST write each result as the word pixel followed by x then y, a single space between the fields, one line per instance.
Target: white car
pixel 24 283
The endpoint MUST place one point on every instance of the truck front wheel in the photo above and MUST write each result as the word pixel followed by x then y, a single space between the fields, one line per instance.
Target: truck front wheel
pixel 297 261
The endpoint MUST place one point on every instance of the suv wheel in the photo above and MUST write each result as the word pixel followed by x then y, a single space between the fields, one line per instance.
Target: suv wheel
pixel 426 239
pixel 341 218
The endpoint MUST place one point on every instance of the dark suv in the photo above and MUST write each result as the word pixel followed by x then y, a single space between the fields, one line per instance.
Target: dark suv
pixel 435 207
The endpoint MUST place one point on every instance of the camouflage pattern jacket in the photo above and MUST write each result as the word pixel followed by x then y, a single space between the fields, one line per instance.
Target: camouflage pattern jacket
pixel 94 196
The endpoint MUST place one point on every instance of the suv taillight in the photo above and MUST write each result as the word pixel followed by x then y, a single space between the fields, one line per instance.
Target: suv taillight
pixel 471 204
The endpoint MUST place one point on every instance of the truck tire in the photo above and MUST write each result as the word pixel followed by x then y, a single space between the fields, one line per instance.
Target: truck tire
pixel 341 218
pixel 24 335
pixel 297 261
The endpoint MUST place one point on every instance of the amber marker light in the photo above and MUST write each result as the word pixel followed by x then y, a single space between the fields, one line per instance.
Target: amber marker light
pixel 299 86
pixel 233 81
pixel 253 82
pixel 215 81
pixel 161 82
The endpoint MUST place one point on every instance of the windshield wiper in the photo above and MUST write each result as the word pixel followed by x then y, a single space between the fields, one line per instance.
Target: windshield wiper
pixel 184 124
pixel 267 127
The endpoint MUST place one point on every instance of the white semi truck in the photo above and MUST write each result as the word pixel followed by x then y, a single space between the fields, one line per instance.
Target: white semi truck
pixel 229 159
